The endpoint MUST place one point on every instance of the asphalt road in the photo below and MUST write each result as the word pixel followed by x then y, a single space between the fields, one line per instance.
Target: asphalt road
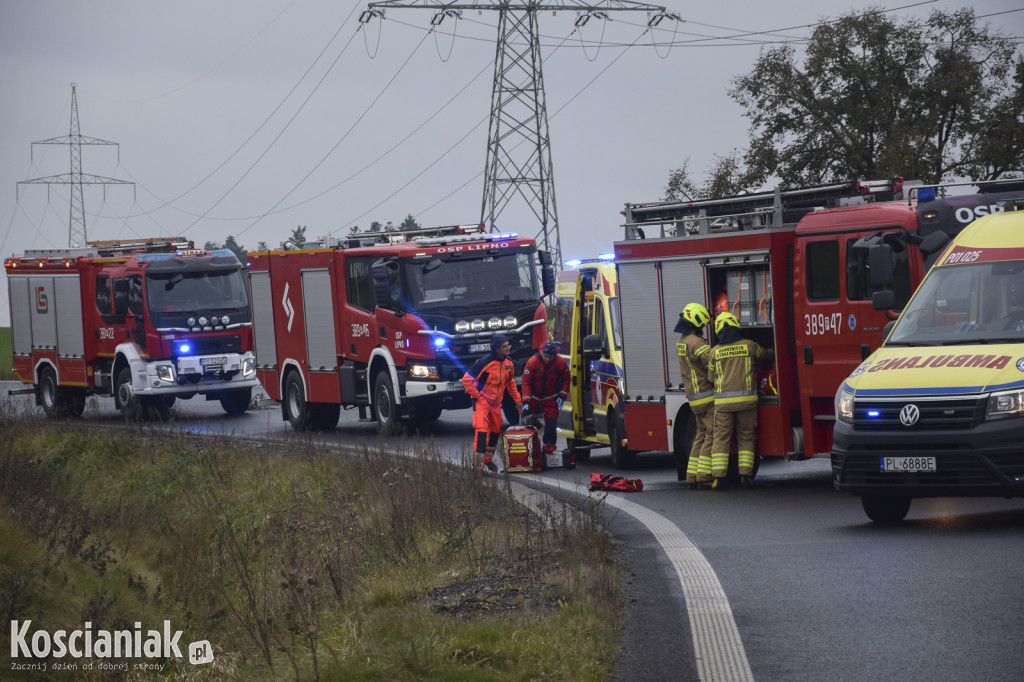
pixel 788 581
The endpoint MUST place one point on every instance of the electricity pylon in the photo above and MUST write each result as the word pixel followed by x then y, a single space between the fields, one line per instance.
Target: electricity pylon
pixel 77 235
pixel 518 161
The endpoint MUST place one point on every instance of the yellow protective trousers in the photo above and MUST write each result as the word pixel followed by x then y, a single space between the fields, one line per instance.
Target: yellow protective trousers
pixel 744 422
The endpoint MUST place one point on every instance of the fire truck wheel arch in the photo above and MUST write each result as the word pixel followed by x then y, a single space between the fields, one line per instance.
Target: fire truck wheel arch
pixel 380 361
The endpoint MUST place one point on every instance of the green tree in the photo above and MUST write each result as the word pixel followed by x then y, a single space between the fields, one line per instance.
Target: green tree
pixel 298 236
pixel 262 246
pixel 409 223
pixel 235 248
pixel 375 226
pixel 725 177
pixel 877 96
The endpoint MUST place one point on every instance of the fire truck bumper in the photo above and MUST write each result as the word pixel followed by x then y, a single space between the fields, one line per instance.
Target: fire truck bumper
pixel 415 388
pixel 199 375
pixel 986 460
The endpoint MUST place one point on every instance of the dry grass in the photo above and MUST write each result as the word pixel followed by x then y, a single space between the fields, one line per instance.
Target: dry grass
pixel 297 562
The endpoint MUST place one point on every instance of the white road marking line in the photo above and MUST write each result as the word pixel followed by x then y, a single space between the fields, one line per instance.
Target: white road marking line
pixel 717 646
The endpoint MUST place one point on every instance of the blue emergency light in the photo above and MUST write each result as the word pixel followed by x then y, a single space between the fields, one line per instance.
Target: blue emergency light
pixel 572 263
pixel 184 348
pixel 606 256
pixel 874 413
pixel 439 341
pixel 926 194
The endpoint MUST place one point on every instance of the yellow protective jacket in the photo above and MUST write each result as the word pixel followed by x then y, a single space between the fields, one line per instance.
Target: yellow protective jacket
pixel 694 353
pixel 731 371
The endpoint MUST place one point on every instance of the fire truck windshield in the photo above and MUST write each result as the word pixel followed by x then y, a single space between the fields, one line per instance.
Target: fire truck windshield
pixel 170 292
pixel 965 304
pixel 439 283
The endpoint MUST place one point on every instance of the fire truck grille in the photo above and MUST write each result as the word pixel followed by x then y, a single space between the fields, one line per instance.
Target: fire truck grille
pixel 212 345
pixel 933 414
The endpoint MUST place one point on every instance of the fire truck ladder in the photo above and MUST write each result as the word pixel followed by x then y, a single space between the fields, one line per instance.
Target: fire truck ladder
pixel 418 234
pixel 112 248
pixel 754 210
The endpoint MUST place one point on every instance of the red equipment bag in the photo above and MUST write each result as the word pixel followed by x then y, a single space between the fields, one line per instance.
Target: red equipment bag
pixel 617 483
pixel 521 445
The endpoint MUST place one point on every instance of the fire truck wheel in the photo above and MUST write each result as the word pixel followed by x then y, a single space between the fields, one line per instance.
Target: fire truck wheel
pixel 296 408
pixel 885 509
pixel 581 454
pixel 622 457
pixel 125 398
pixel 237 401
pixel 384 407
pixel 57 402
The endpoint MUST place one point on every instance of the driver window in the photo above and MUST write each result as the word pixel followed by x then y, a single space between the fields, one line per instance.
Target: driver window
pixel 599 325
pixel 135 305
pixel 359 283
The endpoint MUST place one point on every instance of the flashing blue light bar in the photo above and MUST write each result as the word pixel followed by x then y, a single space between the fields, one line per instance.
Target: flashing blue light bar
pixel 502 236
pixel 150 257
pixel 606 256
pixel 926 194
pixel 572 263
pixel 184 348
pixel 874 413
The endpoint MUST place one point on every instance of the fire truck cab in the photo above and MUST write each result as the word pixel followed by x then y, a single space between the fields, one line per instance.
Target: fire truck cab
pixel 145 321
pixel 393 320
pixel 791 264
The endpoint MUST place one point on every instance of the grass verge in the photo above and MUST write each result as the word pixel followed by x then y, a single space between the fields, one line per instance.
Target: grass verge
pixel 6 356
pixel 295 562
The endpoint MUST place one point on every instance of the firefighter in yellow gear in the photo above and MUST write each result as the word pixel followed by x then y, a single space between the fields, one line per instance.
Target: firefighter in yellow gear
pixel 694 353
pixel 731 370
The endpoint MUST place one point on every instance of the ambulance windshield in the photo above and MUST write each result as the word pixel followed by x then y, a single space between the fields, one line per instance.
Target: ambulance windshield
pixel 179 292
pixel 965 304
pixel 456 282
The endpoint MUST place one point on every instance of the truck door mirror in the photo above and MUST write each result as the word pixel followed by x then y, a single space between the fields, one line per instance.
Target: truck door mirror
pixel 121 286
pixel 544 257
pixel 120 302
pixel 880 263
pixel 883 300
pixel 592 347
pixel 886 329
pixel 547 276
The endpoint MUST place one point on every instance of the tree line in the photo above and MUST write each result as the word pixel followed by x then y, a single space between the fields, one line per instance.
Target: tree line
pixel 873 97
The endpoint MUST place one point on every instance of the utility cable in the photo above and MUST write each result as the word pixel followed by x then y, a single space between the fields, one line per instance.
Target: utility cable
pixel 343 137
pixel 261 125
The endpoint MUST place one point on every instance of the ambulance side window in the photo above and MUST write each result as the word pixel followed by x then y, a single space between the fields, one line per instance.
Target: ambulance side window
pixel 599 325
pixel 823 271
pixel 359 283
pixel 104 301
pixel 562 328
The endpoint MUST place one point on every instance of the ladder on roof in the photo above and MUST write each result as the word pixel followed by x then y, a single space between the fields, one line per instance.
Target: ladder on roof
pixel 755 210
pixel 401 236
pixel 114 247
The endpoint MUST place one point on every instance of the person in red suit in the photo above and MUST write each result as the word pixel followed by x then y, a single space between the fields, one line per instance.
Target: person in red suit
pixel 545 388
pixel 486 382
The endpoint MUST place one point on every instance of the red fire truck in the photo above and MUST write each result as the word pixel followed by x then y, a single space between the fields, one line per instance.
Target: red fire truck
pixel 145 321
pixel 791 264
pixel 392 320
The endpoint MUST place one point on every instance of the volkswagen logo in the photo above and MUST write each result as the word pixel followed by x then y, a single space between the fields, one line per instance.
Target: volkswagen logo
pixel 909 415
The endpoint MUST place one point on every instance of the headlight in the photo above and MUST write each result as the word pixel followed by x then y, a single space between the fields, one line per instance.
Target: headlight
pixel 461 327
pixel 1005 405
pixel 214 320
pixel 844 406
pixel 423 371
pixel 191 321
pixel 511 322
pixel 165 373
pixel 225 319
pixel 203 321
pixel 248 367
pixel 477 325
pixel 494 323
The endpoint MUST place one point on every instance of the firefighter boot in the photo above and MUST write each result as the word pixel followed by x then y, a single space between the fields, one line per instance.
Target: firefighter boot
pixel 719 484
pixel 746 482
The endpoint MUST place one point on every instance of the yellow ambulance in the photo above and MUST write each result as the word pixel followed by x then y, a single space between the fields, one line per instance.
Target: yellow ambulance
pixel 587 329
pixel 938 410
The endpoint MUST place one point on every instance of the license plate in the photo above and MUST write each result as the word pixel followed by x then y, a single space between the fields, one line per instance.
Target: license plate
pixel 215 361
pixel 908 464
pixel 479 347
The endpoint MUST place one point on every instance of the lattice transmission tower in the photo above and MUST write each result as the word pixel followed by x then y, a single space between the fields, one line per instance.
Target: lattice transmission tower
pixel 518 160
pixel 77 235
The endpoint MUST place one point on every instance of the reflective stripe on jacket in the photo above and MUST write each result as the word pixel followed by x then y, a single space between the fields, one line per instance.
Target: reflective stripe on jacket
pixel 694 353
pixel 731 371
pixel 490 378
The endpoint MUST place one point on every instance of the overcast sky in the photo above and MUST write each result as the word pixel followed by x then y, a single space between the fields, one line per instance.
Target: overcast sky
pixel 250 119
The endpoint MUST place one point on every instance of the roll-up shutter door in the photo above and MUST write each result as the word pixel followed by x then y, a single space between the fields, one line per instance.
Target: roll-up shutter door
pixel 67 291
pixel 318 305
pixel 21 326
pixel 263 320
pixel 682 282
pixel 642 341
pixel 44 321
